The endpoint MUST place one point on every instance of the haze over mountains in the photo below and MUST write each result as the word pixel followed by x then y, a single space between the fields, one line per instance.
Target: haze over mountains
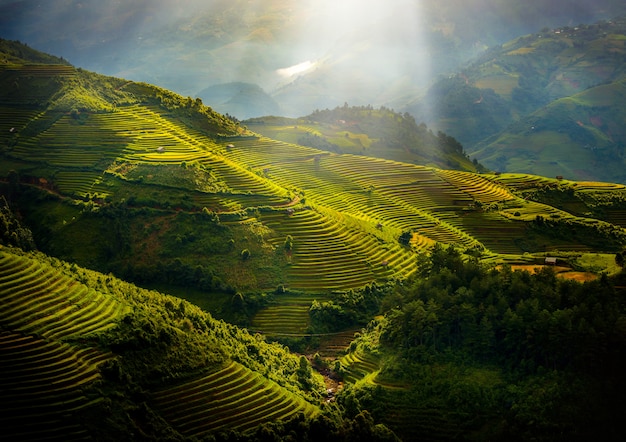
pixel 304 54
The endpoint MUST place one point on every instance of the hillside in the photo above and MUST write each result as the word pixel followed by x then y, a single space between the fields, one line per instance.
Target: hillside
pixel 303 244
pixel 363 130
pixel 127 178
pixel 547 103
pixel 579 137
pixel 88 357
pixel 243 100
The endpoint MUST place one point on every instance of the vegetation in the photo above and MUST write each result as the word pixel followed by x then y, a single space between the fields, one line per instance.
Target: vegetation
pixel 304 246
pixel 364 130
pixel 149 339
pixel 12 233
pixel 547 103
pixel 494 353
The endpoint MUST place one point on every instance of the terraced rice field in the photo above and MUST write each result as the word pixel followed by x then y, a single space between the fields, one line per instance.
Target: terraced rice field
pixel 42 384
pixel 69 144
pixel 261 153
pixel 38 299
pixel 33 83
pixel 335 344
pixel 43 379
pixel 616 216
pixel 519 181
pixel 327 254
pixel 398 195
pixel 231 398
pixel 289 316
pixel 354 207
pixel 13 120
pixel 78 183
pixel 358 365
pixel 497 233
pixel 482 189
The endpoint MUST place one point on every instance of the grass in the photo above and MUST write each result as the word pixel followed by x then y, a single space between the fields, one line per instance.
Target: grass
pixel 598 263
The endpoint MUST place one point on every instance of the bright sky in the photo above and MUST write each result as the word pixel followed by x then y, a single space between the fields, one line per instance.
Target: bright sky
pixel 377 28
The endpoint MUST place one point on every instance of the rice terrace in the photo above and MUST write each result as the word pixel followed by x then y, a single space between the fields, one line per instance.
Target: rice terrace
pixel 168 272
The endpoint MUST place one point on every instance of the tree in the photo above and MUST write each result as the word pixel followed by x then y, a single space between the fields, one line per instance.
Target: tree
pixel 619 259
pixel 405 237
pixel 288 243
pixel 304 373
pixel 14 184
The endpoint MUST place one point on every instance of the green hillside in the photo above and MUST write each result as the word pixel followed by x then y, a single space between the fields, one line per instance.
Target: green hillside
pixel 78 348
pixel 363 130
pixel 159 189
pixel 580 137
pixel 527 105
pixel 114 179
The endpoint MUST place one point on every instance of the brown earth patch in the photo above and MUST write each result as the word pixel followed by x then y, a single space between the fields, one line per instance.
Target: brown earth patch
pixel 561 271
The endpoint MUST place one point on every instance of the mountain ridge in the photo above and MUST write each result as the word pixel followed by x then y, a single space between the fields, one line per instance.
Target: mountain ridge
pixel 547 89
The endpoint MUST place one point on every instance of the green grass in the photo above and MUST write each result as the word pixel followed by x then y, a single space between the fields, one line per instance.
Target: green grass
pixel 598 263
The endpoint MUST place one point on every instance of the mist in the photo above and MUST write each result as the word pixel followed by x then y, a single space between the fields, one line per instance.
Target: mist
pixel 304 54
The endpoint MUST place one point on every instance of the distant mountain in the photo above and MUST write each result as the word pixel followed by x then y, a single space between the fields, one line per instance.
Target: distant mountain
pixel 579 137
pixel 243 100
pixel 379 53
pixel 363 130
pixel 554 97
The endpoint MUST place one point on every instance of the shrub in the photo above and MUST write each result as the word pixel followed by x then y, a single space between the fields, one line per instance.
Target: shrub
pixel 288 243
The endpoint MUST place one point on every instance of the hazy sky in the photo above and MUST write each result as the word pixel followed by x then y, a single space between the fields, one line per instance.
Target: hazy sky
pixel 337 50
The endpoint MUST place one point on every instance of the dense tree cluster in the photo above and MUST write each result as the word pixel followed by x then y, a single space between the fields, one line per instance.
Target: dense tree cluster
pixel 524 321
pixel 12 233
pixel 540 354
pixel 347 309
pixel 328 426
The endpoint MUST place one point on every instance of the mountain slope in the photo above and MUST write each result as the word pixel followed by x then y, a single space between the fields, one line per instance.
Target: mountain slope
pixel 243 100
pixel 580 137
pixel 127 178
pixel 77 347
pixel 508 88
pixel 363 130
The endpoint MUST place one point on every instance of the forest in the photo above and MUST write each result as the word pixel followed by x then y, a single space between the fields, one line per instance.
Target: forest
pixel 515 355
